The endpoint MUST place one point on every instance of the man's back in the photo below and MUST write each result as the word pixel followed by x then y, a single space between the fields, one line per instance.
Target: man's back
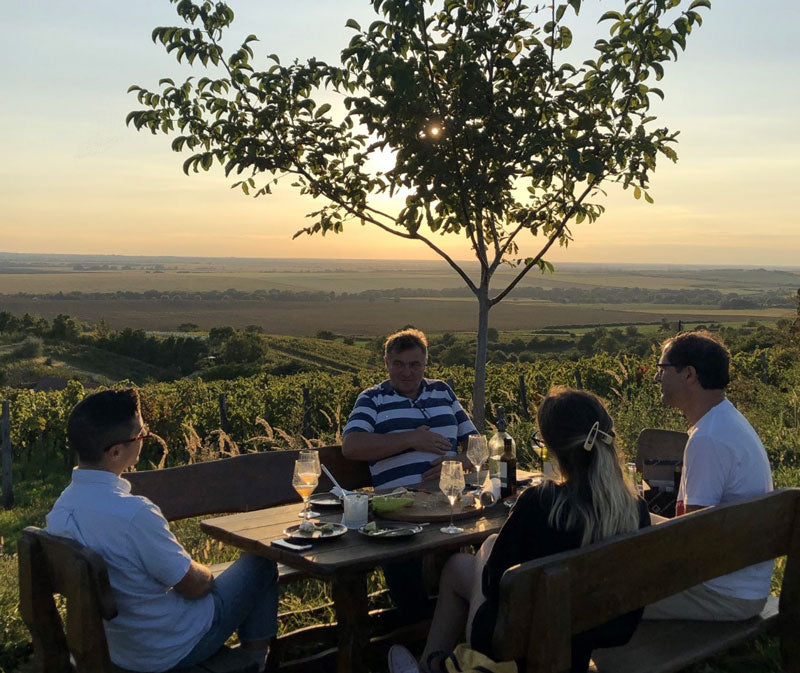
pixel 725 462
pixel 156 627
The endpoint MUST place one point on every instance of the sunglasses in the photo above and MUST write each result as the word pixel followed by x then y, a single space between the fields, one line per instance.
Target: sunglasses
pixel 143 434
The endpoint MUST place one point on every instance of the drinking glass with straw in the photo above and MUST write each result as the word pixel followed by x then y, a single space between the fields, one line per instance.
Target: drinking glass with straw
pixel 451 483
pixel 305 480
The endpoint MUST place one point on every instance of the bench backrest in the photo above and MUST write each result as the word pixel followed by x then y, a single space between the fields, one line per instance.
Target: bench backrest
pixel 544 602
pixel 51 565
pixel 240 483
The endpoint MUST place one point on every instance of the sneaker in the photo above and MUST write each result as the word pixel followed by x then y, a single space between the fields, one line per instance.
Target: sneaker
pixel 401 660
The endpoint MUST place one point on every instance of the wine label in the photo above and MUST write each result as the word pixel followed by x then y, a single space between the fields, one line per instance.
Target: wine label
pixel 503 473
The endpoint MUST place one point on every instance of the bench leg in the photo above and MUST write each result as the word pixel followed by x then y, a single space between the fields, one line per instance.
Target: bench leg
pixel 352 613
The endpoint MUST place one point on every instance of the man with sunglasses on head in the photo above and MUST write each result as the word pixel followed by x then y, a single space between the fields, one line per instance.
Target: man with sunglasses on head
pixel 723 462
pixel 405 427
pixel 172 613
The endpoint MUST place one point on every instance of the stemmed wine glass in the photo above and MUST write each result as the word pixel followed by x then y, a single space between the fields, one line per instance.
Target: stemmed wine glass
pixel 305 480
pixel 312 456
pixel 477 453
pixel 451 483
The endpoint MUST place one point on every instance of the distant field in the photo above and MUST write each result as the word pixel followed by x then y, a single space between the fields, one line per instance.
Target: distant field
pixel 351 278
pixel 356 317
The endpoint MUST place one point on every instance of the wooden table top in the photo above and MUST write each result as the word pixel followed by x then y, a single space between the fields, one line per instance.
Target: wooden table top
pixel 254 531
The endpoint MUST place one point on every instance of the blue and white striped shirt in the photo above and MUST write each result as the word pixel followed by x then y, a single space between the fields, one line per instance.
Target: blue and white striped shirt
pixel 383 411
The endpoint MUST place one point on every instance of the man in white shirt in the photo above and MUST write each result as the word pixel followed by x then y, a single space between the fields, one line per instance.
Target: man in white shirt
pixel 172 613
pixel 723 462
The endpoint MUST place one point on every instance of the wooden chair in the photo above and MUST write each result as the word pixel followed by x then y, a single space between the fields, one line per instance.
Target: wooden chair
pixel 658 452
pixel 50 565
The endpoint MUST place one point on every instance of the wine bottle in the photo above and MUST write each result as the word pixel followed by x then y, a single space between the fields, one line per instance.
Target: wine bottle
pixel 508 469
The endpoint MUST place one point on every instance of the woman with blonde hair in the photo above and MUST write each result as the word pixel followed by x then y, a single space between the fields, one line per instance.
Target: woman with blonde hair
pixel 591 501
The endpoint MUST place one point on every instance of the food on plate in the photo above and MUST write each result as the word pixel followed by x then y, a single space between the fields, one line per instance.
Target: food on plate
pixel 382 504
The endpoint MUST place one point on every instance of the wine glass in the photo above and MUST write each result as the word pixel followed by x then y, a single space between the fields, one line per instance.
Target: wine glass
pixel 312 456
pixel 305 480
pixel 477 453
pixel 451 483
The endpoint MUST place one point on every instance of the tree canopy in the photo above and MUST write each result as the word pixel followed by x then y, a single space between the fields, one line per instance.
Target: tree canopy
pixel 493 136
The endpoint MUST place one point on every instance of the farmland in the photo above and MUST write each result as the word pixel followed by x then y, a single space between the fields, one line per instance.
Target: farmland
pixel 353 317
pixel 161 293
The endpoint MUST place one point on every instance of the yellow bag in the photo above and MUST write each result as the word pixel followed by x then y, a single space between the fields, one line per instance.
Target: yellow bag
pixel 466 660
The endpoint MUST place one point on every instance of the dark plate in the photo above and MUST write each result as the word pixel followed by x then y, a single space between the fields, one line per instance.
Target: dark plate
pixel 393 531
pixel 325 500
pixel 335 530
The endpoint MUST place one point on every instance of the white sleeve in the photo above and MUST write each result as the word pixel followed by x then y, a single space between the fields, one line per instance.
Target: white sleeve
pixel 160 553
pixel 706 465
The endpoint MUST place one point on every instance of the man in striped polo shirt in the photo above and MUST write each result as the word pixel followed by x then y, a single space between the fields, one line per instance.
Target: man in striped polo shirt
pixel 405 427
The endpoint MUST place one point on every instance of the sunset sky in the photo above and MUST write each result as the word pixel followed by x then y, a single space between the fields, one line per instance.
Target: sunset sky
pixel 74 179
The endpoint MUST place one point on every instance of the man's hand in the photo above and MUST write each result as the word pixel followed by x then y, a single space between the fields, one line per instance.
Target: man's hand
pixel 423 439
pixel 436 466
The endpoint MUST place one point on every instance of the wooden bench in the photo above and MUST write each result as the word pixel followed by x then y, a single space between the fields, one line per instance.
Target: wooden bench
pixel 50 565
pixel 545 602
pixel 240 484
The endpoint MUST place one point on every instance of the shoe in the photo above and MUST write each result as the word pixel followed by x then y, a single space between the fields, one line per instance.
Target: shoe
pixel 401 660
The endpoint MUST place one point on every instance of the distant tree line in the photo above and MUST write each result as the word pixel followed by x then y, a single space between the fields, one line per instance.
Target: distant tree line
pixel 780 298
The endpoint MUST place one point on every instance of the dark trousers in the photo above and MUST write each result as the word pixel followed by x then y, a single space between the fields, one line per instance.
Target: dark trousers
pixel 406 583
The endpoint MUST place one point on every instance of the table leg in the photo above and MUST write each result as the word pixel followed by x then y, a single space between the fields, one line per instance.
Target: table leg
pixel 349 592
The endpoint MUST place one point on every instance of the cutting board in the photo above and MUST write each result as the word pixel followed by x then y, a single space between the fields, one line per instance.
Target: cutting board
pixel 434 506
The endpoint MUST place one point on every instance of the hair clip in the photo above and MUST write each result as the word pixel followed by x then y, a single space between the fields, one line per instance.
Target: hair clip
pixel 592 436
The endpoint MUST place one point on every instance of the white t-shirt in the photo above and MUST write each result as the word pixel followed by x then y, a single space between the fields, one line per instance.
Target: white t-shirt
pixel 156 627
pixel 724 462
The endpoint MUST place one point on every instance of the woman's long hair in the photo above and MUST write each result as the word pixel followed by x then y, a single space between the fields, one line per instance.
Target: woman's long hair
pixel 595 496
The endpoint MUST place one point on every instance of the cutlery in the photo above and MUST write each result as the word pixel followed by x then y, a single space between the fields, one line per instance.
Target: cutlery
pixel 333 479
pixel 404 529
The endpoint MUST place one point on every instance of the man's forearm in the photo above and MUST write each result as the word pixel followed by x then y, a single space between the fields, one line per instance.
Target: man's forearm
pixel 197 581
pixel 374 446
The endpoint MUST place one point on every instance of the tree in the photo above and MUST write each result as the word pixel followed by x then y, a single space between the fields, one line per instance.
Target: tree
pixel 66 328
pixel 244 347
pixel 492 135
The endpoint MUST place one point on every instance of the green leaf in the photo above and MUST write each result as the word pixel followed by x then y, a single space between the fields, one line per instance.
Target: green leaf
pixel 637 193
pixel 648 198
pixel 576 5
pixel 352 23
pixel 611 15
pixel 566 37
pixel 700 3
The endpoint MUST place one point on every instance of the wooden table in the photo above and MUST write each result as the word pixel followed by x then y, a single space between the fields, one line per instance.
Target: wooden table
pixel 345 561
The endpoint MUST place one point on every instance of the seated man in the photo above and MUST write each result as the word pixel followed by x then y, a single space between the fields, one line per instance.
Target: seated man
pixel 405 427
pixel 723 462
pixel 172 611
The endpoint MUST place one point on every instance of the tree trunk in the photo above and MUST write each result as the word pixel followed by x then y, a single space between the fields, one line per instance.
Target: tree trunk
pixel 479 387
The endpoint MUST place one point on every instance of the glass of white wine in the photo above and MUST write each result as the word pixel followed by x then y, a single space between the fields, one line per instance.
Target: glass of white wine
pixel 451 483
pixel 305 480
pixel 312 456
